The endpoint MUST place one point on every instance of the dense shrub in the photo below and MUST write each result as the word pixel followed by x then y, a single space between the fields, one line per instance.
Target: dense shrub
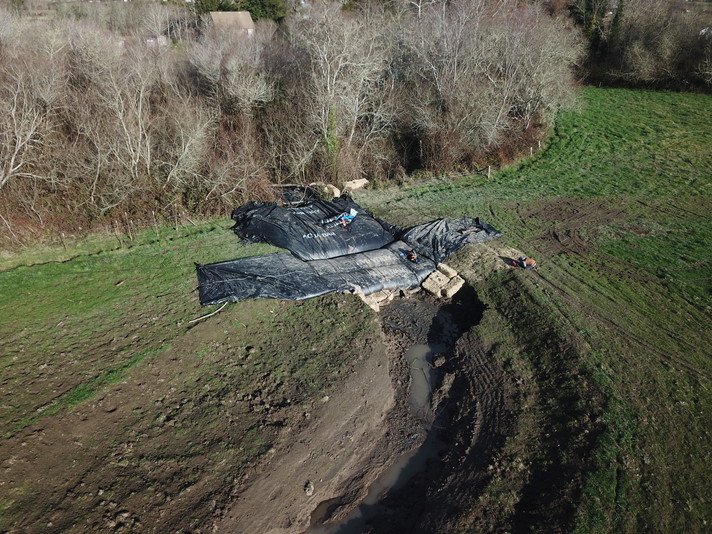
pixel 655 43
pixel 101 121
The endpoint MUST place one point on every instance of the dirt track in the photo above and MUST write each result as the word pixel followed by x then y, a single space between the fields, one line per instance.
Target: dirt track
pixel 327 469
pixel 162 451
pixel 180 446
pixel 134 459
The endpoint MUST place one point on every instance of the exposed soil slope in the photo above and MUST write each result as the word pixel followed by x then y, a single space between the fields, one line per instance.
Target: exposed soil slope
pixel 177 446
pixel 323 472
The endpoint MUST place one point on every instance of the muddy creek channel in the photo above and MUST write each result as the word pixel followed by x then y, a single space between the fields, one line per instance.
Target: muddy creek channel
pixel 423 330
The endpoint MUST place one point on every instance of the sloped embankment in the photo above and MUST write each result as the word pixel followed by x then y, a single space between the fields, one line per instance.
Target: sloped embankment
pixel 325 471
pixel 513 411
pixel 518 415
pixel 517 412
pixel 525 361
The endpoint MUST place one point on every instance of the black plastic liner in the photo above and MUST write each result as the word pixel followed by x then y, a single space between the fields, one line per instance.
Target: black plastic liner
pixel 443 237
pixel 282 276
pixel 318 230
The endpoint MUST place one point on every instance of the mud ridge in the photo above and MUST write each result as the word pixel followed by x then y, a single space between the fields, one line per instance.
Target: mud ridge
pixel 468 412
pixel 327 470
pixel 473 417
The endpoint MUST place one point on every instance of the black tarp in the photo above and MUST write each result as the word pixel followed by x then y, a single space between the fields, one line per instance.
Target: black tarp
pixel 313 231
pixel 282 276
pixel 296 195
pixel 441 238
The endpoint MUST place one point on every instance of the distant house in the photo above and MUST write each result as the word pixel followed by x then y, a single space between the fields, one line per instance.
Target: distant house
pixel 233 20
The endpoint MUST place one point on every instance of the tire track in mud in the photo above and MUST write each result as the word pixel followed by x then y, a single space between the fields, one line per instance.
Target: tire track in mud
pixel 587 249
pixel 477 417
pixel 669 208
pixel 615 304
pixel 472 417
pixel 564 238
pixel 491 211
pixel 625 333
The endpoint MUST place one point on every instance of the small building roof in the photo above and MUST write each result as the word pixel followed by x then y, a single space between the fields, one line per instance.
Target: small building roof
pixel 241 20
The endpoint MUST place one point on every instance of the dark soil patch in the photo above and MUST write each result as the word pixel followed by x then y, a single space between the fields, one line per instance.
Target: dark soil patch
pixel 571 215
pixel 574 216
pixel 473 420
pixel 469 412
pixel 177 445
pixel 424 319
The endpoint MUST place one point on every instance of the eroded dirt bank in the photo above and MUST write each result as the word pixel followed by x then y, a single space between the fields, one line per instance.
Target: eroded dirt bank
pixel 345 441
pixel 274 416
pixel 322 473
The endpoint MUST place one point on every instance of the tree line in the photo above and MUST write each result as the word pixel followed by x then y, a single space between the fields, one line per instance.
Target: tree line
pixel 658 44
pixel 101 121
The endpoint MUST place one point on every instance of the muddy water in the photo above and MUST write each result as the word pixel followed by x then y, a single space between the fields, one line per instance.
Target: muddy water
pixel 422 375
pixel 433 328
pixel 419 357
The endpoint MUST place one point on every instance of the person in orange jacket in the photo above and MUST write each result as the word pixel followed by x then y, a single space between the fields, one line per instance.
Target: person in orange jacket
pixel 527 263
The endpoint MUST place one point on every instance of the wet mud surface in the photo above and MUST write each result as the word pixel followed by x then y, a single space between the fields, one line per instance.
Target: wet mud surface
pixel 469 421
pixel 177 446
pixel 450 441
pixel 166 449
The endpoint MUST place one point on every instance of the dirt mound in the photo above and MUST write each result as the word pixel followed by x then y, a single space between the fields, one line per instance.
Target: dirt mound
pixel 217 431
pixel 353 433
pixel 472 415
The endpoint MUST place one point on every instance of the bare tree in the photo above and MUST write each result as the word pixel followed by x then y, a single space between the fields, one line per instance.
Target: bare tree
pixel 704 68
pixel 236 170
pixel 111 112
pixel 453 78
pixel 420 5
pixel 229 72
pixel 655 43
pixel 345 73
pixel 164 19
pixel 185 140
pixel 478 70
pixel 125 92
pixel 24 123
pixel 544 51
pixel 30 87
pixel 228 69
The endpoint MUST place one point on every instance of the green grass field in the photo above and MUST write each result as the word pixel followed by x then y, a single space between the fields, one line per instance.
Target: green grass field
pixel 616 210
pixel 102 335
pixel 613 332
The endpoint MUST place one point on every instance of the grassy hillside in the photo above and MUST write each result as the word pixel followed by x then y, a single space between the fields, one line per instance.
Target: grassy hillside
pixel 615 209
pixel 608 344
pixel 120 410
